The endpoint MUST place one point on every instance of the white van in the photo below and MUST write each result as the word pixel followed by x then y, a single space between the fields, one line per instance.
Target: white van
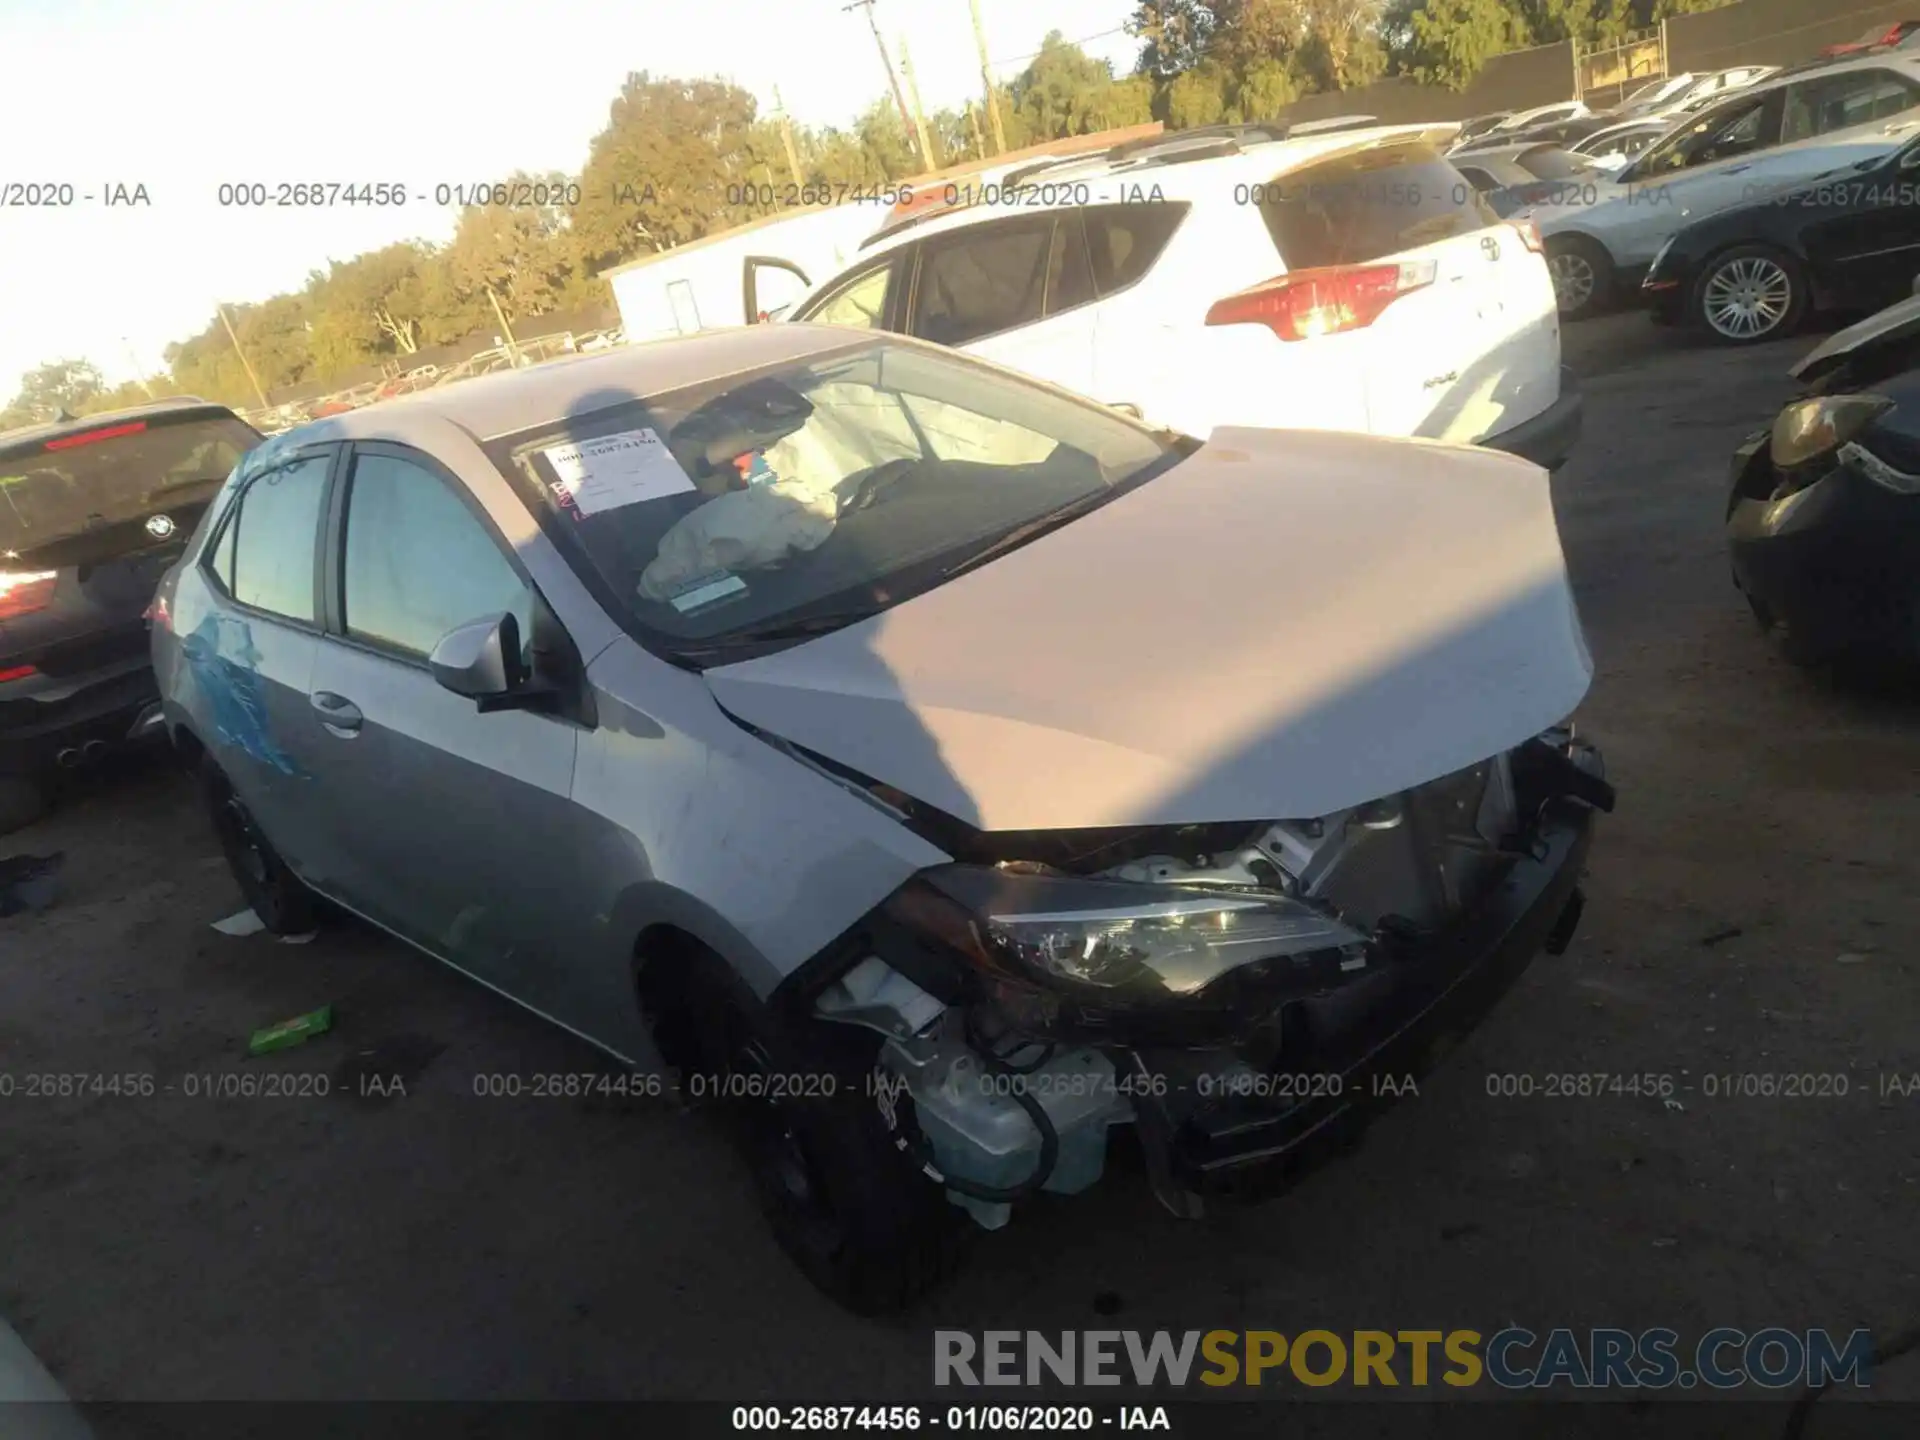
pixel 698 286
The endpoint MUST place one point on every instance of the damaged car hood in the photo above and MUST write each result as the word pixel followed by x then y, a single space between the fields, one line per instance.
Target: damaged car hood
pixel 1898 324
pixel 1283 625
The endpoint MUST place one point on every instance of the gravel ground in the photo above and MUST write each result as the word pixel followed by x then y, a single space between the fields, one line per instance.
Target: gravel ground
pixel 438 1245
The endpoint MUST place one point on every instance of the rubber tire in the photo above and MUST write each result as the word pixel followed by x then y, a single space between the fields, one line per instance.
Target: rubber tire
pixel 23 800
pixel 1597 257
pixel 284 905
pixel 1799 297
pixel 892 1237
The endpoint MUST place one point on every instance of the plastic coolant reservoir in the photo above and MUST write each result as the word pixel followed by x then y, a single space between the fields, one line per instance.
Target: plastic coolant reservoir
pixel 979 1132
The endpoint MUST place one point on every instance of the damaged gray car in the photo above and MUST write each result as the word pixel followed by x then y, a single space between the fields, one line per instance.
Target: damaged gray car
pixel 947 775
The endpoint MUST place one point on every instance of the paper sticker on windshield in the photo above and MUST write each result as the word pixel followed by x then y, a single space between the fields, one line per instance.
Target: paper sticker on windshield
pixel 698 593
pixel 617 470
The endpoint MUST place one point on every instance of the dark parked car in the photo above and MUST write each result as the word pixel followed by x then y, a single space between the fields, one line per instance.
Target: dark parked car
pixel 1849 239
pixel 1824 520
pixel 92 512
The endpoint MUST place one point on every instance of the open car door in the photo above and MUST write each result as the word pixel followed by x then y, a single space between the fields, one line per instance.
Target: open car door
pixel 780 294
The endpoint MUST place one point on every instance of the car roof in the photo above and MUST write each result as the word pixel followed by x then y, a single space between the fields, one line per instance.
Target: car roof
pixel 1837 65
pixel 1175 178
pixel 182 406
pixel 510 401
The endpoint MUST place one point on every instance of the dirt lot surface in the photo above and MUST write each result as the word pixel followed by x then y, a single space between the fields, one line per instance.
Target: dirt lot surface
pixel 444 1245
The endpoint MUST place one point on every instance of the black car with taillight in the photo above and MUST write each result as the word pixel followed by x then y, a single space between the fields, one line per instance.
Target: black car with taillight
pixel 1823 522
pixel 92 512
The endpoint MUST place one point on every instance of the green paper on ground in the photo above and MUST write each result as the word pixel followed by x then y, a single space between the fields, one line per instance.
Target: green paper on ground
pixel 291 1032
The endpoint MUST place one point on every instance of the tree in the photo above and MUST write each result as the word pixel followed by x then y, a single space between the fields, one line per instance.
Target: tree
pixel 1263 92
pixel 1340 48
pixel 1176 33
pixel 657 176
pixel 57 385
pixel 1445 42
pixel 1064 91
pixel 1195 97
pixel 523 253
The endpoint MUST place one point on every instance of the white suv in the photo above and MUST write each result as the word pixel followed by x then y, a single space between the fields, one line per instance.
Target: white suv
pixel 1343 279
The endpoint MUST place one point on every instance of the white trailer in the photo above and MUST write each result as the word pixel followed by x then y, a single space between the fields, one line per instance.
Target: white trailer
pixel 702 285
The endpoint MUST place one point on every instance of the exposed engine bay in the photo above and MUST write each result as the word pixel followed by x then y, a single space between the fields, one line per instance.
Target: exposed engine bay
pixel 1002 1107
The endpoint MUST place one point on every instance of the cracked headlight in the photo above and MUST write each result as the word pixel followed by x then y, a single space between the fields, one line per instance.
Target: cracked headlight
pixel 1809 429
pixel 1116 941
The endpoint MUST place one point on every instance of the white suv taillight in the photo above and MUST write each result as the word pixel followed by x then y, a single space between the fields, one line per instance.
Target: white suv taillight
pixel 1530 235
pixel 1326 301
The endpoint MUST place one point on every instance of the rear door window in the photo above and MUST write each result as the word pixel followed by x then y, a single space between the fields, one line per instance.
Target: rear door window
pixel 274 535
pixel 1124 241
pixel 1374 202
pixel 982 280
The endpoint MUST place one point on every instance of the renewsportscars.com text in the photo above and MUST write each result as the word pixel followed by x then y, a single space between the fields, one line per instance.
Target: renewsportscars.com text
pixel 1513 1359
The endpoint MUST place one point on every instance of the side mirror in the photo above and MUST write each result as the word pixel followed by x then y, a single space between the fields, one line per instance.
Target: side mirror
pixel 1911 160
pixel 482 660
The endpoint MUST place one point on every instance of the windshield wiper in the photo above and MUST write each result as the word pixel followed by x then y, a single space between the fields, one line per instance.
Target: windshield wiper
pixel 803 628
pixel 1032 530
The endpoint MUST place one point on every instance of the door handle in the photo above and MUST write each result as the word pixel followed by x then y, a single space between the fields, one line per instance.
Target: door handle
pixel 340 715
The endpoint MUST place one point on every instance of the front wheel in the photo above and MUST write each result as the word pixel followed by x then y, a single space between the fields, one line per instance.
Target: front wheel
pixel 284 905
pixel 849 1207
pixel 1582 272
pixel 1750 293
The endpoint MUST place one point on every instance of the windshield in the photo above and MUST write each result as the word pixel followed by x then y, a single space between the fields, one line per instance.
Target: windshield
pixel 810 494
pixel 73 482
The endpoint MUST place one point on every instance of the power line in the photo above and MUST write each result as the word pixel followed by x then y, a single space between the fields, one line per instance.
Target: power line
pixel 1021 59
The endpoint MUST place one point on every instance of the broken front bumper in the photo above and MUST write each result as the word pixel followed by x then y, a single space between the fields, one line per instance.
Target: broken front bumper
pixel 1358 1048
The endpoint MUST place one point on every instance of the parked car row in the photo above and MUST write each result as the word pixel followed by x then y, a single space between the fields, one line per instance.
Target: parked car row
pixel 1825 126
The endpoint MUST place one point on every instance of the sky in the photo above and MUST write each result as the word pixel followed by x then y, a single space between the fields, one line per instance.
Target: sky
pixel 185 96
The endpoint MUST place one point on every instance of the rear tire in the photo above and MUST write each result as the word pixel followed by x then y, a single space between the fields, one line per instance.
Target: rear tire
pixel 859 1219
pixel 23 800
pixel 1748 294
pixel 1582 271
pixel 275 894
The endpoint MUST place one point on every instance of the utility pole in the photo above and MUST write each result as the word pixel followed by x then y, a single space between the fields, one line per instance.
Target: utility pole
pixel 927 156
pixel 513 347
pixel 986 81
pixel 133 364
pixel 893 81
pixel 243 356
pixel 786 136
